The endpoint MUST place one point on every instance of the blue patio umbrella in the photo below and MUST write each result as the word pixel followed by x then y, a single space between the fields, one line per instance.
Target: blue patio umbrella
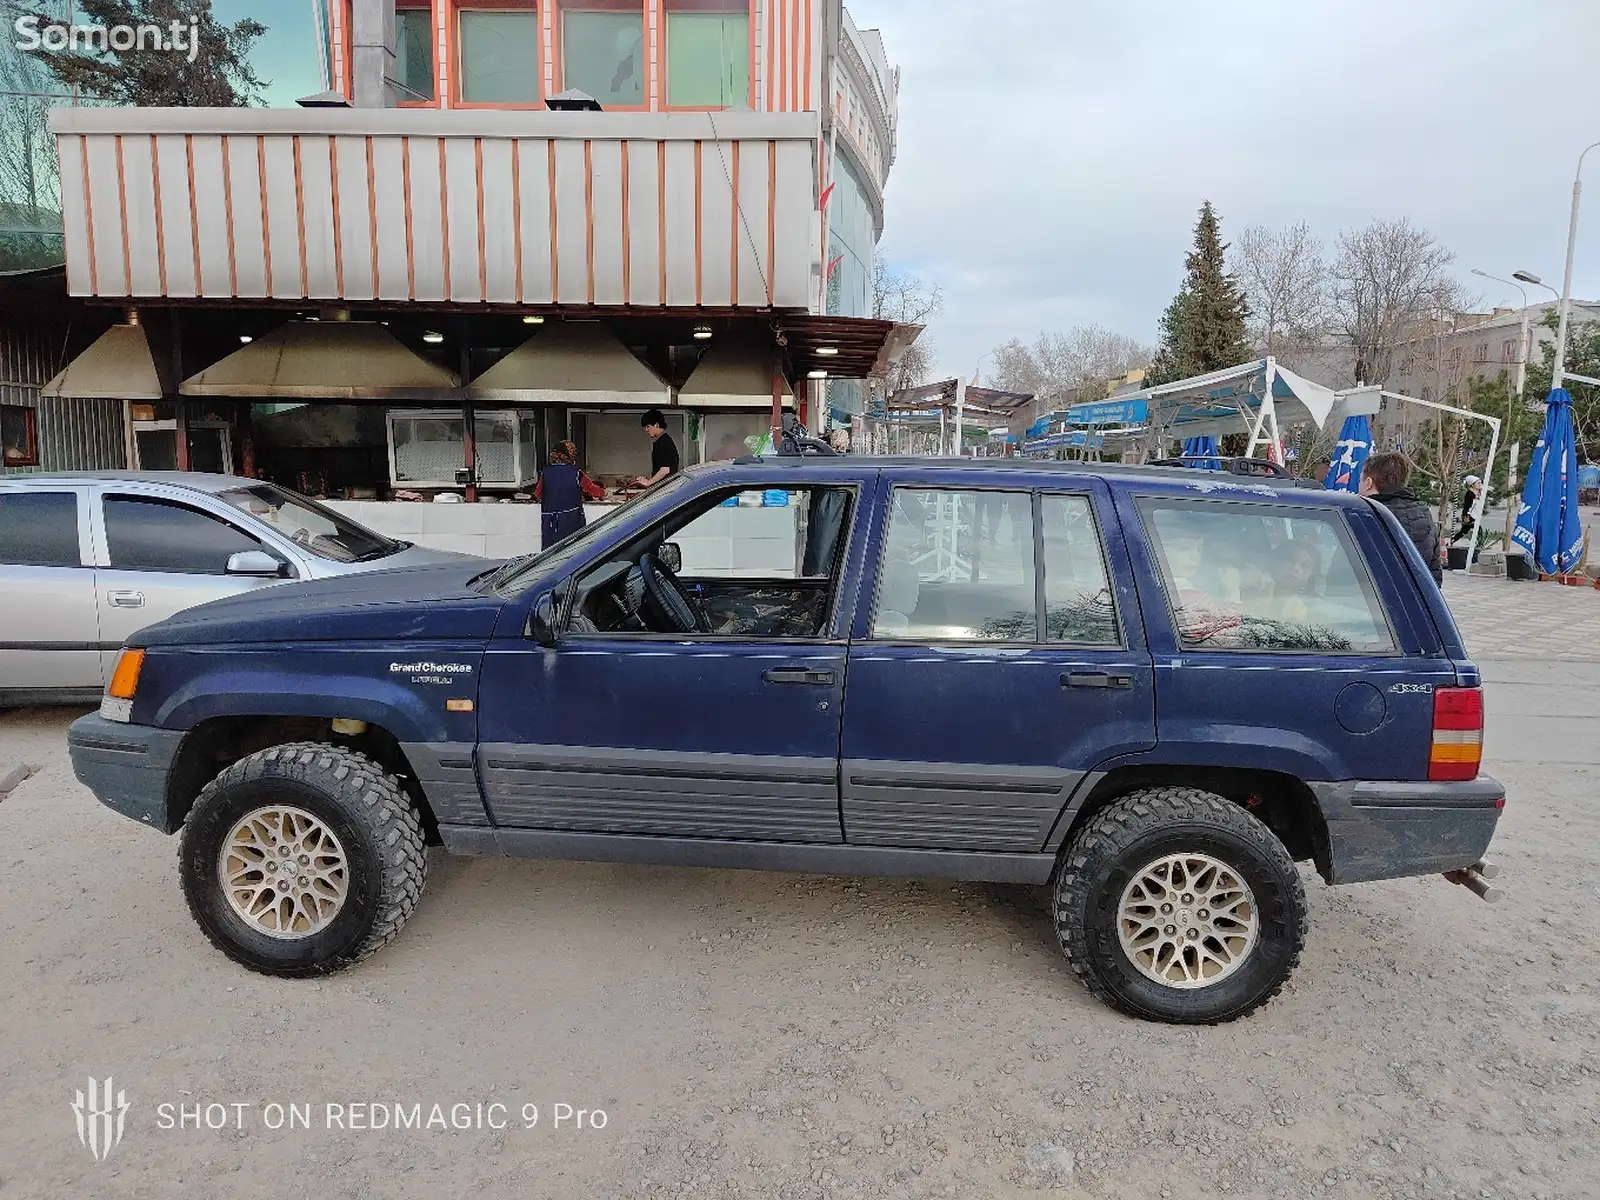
pixel 1547 519
pixel 1350 455
pixel 1202 452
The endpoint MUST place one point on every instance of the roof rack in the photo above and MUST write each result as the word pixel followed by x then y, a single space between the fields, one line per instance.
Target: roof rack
pixel 1262 468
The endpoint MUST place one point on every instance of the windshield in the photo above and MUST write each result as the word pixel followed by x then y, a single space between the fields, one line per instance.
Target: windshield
pixel 518 575
pixel 305 522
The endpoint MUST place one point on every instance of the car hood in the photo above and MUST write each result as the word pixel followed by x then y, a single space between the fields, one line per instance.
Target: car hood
pixel 420 602
pixel 412 556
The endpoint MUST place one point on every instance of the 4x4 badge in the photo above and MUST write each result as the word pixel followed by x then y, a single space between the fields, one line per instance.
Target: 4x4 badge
pixel 1410 689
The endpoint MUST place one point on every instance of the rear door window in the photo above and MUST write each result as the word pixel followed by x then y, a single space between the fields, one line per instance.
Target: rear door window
pixel 146 534
pixel 39 529
pixel 957 566
pixel 1263 577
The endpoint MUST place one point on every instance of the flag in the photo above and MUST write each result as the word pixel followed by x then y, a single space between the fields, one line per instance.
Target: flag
pixel 1350 455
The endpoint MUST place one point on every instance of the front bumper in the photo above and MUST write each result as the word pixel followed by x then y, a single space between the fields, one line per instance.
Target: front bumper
pixel 1388 830
pixel 126 766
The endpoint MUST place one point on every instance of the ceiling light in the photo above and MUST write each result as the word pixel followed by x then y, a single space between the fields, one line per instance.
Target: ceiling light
pixel 433 337
pixel 533 319
pixel 246 338
pixel 702 333
pixel 819 373
pixel 827 351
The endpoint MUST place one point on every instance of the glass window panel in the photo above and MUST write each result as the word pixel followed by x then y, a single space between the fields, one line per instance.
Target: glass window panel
pixel 1241 577
pixel 1078 605
pixel 957 566
pixel 413 53
pixel 150 535
pixel 499 57
pixel 603 55
pixel 39 529
pixel 708 59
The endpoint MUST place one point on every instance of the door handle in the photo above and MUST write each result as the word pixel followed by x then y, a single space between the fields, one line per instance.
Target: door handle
pixel 125 599
pixel 1096 679
pixel 798 675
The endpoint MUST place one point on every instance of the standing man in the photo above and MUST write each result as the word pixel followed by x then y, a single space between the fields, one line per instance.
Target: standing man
pixel 1384 479
pixel 664 459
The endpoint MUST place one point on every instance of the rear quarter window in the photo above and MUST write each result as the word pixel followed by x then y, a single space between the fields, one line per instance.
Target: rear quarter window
pixel 1241 576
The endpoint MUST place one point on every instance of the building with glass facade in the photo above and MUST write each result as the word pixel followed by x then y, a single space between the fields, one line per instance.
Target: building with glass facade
pixel 863 115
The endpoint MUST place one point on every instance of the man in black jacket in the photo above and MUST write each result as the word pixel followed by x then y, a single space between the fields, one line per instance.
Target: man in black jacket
pixel 1384 479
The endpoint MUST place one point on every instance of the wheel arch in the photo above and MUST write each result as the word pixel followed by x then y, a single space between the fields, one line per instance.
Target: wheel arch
pixel 216 743
pixel 1281 801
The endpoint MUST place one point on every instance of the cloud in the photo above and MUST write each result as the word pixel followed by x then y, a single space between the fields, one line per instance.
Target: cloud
pixel 1052 154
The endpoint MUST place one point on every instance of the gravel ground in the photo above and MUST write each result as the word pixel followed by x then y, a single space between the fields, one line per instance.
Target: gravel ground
pixel 779 1036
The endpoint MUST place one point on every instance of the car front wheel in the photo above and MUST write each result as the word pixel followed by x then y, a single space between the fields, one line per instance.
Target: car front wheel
pixel 302 859
pixel 1174 904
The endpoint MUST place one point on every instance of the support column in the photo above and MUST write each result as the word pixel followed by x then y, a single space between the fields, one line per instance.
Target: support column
pixel 180 417
pixel 372 53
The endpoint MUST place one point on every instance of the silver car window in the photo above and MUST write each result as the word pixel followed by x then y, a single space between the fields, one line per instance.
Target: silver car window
pixel 39 529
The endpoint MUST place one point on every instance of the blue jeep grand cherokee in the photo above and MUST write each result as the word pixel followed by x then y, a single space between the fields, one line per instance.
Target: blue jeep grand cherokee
pixel 1152 689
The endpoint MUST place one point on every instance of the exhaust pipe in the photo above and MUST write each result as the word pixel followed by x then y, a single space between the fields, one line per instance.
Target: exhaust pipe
pixel 1476 880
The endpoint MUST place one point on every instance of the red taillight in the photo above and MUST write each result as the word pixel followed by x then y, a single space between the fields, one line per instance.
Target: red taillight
pixel 1457 747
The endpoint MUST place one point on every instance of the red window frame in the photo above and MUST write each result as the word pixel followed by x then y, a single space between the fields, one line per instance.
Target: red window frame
pixel 453 39
pixel 30 425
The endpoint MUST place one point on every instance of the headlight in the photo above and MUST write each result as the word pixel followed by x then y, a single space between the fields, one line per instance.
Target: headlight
pixel 117 703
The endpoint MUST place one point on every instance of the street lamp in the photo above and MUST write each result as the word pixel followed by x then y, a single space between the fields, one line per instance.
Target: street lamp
pixel 961 399
pixel 1566 282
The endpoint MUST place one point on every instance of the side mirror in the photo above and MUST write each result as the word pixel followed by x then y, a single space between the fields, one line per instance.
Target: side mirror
pixel 254 562
pixel 542 621
pixel 670 556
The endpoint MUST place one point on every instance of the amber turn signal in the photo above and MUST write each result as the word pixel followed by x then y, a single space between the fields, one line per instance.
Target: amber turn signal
pixel 125 679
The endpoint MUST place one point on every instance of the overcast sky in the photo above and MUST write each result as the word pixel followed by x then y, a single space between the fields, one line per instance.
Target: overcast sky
pixel 1053 153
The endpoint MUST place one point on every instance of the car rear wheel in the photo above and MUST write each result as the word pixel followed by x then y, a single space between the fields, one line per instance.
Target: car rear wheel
pixel 302 859
pixel 1174 904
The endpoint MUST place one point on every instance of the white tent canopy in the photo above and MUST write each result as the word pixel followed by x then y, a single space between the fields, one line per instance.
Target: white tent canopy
pixel 1262 396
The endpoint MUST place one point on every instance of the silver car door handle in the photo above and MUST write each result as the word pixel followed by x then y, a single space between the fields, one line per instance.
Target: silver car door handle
pixel 125 599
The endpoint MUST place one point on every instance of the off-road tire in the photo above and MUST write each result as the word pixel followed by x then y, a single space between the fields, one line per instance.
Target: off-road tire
pixel 375 822
pixel 1119 841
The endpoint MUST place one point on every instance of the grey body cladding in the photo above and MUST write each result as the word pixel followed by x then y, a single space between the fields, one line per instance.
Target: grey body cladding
pixel 953 806
pixel 702 795
pixel 449 780
pixel 812 858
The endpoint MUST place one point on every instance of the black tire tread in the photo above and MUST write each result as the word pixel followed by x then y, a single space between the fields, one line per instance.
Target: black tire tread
pixel 379 796
pixel 1113 829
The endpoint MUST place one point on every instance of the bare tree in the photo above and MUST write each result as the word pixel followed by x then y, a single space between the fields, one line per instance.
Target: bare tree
pixel 1059 367
pixel 1386 278
pixel 1285 280
pixel 30 182
pixel 911 300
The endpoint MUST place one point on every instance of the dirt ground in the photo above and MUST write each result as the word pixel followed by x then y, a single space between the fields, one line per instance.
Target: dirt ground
pixel 773 1036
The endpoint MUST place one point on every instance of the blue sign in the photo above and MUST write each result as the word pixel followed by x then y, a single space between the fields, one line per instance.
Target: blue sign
pixel 1078 439
pixel 1110 412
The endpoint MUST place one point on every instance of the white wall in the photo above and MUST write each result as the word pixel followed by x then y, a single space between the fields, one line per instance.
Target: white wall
pixel 723 542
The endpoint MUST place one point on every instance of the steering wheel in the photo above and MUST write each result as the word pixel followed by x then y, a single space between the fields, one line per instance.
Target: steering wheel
pixel 667 599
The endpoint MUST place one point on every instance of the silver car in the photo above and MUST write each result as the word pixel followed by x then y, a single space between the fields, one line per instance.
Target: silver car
pixel 86 559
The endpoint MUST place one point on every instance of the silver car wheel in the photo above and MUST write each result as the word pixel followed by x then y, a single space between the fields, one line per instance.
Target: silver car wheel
pixel 284 872
pixel 1187 920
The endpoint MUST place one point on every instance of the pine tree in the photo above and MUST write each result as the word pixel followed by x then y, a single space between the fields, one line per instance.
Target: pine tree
pixel 217 74
pixel 1203 328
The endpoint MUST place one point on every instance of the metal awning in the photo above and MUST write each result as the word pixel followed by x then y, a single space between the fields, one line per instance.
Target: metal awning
pixel 574 362
pixel 118 365
pixel 844 347
pixel 325 360
pixel 733 373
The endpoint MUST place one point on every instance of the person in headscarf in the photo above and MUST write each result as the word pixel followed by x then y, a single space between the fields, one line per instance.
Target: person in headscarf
pixel 561 491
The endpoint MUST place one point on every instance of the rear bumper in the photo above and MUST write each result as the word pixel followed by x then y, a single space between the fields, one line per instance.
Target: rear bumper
pixel 1388 830
pixel 126 766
